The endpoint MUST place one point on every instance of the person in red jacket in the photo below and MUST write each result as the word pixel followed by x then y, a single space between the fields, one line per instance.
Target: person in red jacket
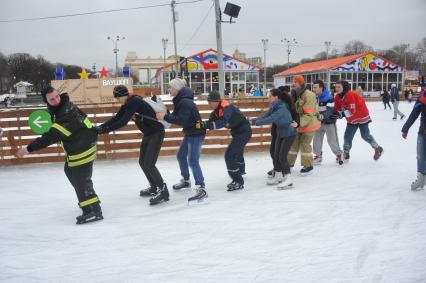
pixel 350 105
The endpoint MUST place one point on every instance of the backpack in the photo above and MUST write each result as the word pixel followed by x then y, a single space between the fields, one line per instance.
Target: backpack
pixel 158 106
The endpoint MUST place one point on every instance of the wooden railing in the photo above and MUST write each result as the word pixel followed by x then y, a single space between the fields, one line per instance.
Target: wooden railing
pixel 125 142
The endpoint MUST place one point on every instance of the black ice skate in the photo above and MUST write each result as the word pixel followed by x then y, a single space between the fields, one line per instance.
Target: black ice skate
pixel 162 195
pixel 378 153
pixel 148 192
pixel 346 157
pixel 306 170
pixel 200 196
pixel 339 159
pixel 91 213
pixel 234 186
pixel 183 184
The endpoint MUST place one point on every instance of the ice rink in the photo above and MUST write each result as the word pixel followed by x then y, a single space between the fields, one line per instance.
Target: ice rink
pixel 358 223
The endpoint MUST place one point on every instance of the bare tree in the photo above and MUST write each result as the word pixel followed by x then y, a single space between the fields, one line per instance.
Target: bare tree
pixel 355 47
pixel 4 74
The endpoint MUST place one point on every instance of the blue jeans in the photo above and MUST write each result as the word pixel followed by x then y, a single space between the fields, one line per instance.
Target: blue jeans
pixel 350 133
pixel 421 154
pixel 189 153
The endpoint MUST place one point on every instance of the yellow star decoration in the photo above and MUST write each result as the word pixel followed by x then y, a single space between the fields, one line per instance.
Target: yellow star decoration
pixel 84 75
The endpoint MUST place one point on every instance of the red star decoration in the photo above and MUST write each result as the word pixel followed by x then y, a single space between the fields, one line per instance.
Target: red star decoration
pixel 104 72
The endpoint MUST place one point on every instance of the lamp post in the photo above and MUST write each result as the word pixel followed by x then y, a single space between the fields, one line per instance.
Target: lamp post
pixel 327 49
pixel 164 41
pixel 265 46
pixel 115 50
pixel 289 43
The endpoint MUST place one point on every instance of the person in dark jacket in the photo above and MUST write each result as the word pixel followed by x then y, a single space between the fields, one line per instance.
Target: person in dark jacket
pixel 386 99
pixel 153 136
pixel 279 113
pixel 73 129
pixel 418 110
pixel 227 115
pixel 328 124
pixel 395 101
pixel 186 115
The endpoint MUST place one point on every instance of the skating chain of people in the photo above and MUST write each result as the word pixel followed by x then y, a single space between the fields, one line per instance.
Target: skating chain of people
pixel 299 117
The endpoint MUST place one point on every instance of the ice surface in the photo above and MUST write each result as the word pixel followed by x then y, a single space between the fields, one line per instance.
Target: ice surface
pixel 359 223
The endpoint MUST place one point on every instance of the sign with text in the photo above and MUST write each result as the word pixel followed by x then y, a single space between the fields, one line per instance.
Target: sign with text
pixel 92 90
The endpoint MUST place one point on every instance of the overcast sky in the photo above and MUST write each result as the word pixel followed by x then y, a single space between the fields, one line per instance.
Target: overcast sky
pixel 83 40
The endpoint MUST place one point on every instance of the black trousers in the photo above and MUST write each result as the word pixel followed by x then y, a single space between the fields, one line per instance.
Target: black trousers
pixel 80 178
pixel 234 155
pixel 150 149
pixel 282 147
pixel 387 103
pixel 273 140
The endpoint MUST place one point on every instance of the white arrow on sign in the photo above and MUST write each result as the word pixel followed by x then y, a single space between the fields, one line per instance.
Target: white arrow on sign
pixel 37 122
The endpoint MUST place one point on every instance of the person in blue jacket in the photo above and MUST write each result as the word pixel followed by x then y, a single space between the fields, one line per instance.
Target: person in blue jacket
pixel 418 110
pixel 279 113
pixel 395 101
pixel 227 115
pixel 186 115
pixel 328 124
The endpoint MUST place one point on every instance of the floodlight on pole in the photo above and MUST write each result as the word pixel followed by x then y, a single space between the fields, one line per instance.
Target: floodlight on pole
pixel 115 50
pixel 289 43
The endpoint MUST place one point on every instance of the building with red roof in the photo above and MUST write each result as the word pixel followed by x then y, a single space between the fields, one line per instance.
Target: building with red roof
pixel 370 72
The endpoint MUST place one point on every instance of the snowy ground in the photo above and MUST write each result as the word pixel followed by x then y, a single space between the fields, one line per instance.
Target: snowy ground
pixel 359 223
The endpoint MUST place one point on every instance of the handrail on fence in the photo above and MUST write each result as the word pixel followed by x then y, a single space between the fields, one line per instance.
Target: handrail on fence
pixel 17 133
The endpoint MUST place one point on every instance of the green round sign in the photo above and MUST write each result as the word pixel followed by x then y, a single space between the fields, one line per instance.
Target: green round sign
pixel 40 121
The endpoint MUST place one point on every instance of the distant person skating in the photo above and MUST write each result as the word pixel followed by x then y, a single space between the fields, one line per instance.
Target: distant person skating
pixel 395 101
pixel 386 99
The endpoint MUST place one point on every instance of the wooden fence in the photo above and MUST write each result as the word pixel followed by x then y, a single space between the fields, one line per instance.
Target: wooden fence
pixel 125 142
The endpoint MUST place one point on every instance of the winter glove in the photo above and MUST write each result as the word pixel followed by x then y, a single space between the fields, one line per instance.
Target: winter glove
pixel 346 113
pixel 99 129
pixel 393 101
pixel 252 121
pixel 404 135
pixel 138 117
pixel 205 125
pixel 336 115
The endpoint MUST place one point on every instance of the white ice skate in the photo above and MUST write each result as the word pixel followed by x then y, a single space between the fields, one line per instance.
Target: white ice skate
pixel 286 184
pixel 419 183
pixel 276 179
pixel 200 196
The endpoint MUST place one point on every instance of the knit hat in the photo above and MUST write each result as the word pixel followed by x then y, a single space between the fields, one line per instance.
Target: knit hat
pixel 299 79
pixel 177 84
pixel 120 91
pixel 214 96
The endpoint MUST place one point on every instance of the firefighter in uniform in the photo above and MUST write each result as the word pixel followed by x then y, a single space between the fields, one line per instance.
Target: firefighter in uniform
pixel 75 132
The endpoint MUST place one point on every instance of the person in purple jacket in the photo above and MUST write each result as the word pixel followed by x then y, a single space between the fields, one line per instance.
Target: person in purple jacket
pixel 418 110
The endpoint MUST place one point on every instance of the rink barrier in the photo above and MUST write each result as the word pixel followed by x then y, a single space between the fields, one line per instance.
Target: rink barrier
pixel 125 142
